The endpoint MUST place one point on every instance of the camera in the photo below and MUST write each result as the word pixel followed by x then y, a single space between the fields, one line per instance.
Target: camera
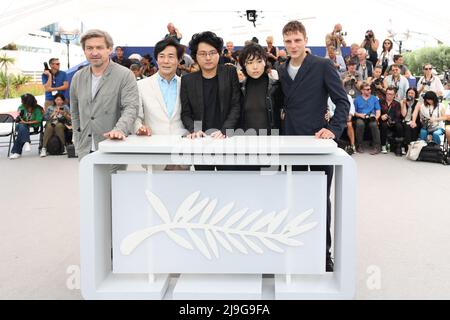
pixel 378 81
pixel 426 83
pixel 370 116
pixel 389 121
pixel 341 33
pixel 409 99
pixel 182 62
pixel 281 59
pixel 369 35
pixel 20 116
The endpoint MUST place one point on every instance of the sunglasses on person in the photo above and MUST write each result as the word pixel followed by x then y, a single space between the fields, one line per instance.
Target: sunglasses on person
pixel 427 68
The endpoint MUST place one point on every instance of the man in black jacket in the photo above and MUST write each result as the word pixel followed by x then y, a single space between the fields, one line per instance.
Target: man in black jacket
pixel 307 81
pixel 210 98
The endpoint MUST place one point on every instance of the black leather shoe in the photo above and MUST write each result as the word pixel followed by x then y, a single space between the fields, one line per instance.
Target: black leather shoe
pixel 329 265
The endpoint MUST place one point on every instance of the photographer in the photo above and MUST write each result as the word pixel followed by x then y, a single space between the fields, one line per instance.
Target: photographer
pixel 58 119
pixel 432 116
pixel 367 113
pixel 30 116
pixel 387 55
pixel 148 66
pixel 336 39
pixel 391 121
pixel 186 63
pixel 376 83
pixel 371 44
pixel 411 124
pixel 429 82
pixel 398 81
pixel 54 81
pixel 338 61
pixel 351 80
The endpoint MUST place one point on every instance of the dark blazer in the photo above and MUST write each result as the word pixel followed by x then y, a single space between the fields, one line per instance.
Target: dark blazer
pixel 305 97
pixel 191 95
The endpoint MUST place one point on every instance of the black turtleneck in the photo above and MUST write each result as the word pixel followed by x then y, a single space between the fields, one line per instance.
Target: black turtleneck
pixel 255 103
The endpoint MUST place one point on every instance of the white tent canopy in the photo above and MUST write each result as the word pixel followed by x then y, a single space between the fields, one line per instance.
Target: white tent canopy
pixel 143 23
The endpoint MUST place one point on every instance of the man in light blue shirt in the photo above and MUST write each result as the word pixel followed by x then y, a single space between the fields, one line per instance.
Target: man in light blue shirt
pixel 367 113
pixel 160 109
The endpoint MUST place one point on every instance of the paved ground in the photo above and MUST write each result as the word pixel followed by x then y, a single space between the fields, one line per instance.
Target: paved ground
pixel 402 228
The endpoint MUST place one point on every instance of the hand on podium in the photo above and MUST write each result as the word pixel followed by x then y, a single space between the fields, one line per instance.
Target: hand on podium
pixel 144 131
pixel 325 134
pixel 114 135
pixel 198 134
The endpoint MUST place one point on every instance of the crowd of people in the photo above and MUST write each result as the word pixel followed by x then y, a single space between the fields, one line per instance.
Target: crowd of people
pixel 218 91
pixel 385 109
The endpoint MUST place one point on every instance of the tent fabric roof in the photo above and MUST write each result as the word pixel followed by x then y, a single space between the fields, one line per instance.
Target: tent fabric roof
pixel 144 22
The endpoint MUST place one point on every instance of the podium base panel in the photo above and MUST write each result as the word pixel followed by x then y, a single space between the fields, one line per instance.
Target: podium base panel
pixel 218 287
pixel 130 286
pixel 309 287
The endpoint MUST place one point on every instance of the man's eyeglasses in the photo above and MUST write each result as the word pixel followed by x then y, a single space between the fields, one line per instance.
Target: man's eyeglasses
pixel 203 54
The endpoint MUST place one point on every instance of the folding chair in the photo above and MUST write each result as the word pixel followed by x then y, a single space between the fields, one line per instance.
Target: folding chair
pixel 7 128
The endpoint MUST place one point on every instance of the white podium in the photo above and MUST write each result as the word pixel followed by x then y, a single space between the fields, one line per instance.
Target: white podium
pixel 221 230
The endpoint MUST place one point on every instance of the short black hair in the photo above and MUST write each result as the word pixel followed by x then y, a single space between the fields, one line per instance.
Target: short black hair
pixel 163 44
pixel 59 95
pixel 431 95
pixel 52 59
pixel 208 37
pixel 29 100
pixel 250 52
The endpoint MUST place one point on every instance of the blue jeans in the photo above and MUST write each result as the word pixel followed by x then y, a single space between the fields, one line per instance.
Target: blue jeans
pixel 436 135
pixel 23 135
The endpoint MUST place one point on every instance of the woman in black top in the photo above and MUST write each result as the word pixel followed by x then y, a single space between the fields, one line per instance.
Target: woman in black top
pixel 262 98
pixel 371 44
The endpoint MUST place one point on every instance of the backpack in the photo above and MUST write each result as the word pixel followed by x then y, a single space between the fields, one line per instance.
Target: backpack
pixel 432 152
pixel 54 145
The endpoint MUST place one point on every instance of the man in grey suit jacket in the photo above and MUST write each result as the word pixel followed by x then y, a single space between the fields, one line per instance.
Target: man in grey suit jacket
pixel 104 96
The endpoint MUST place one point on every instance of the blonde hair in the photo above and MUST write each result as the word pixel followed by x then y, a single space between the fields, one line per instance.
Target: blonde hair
pixel 269 39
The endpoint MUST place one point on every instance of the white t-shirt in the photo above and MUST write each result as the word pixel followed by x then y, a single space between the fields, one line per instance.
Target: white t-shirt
pixel 293 71
pixel 332 106
pixel 435 85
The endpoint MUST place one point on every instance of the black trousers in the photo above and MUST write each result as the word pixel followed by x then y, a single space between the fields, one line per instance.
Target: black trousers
pixel 411 134
pixel 397 131
pixel 361 125
pixel 329 170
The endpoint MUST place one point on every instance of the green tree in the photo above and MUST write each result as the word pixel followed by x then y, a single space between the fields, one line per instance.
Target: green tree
pixel 439 57
pixel 4 63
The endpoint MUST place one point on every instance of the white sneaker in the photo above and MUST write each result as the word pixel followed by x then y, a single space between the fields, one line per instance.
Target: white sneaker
pixel 403 151
pixel 43 152
pixel 383 149
pixel 27 147
pixel 14 156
